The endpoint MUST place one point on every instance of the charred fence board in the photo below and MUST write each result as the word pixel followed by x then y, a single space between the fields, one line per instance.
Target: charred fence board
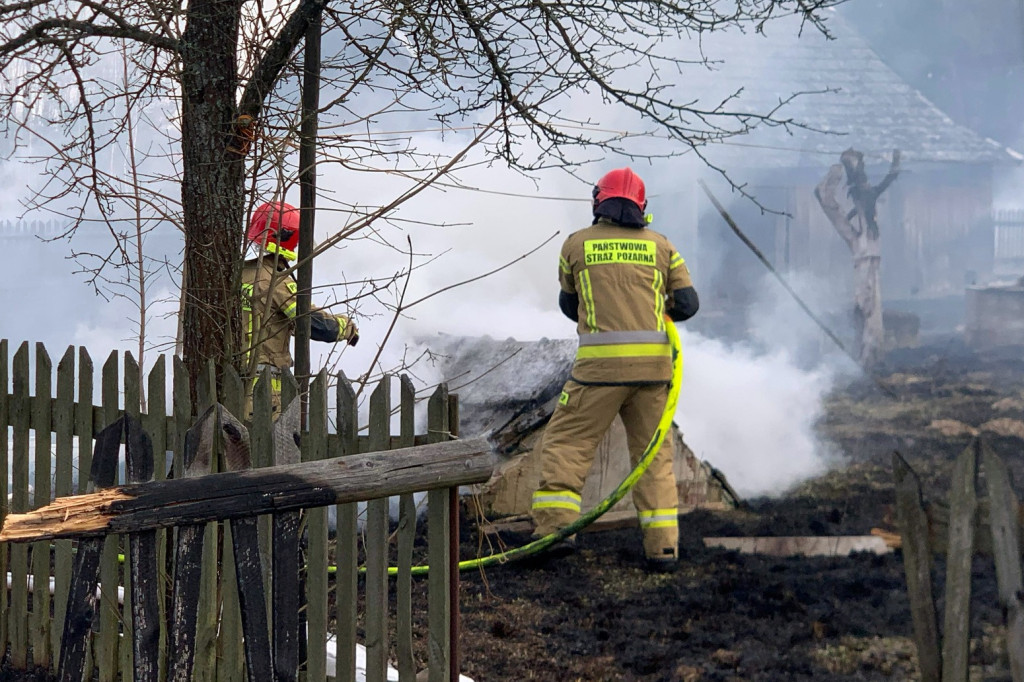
pixel 917 557
pixel 287 600
pixel 82 600
pixel 107 661
pixel 962 515
pixel 142 559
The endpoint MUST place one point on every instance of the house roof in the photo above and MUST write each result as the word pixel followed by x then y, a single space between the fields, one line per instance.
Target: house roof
pixel 852 99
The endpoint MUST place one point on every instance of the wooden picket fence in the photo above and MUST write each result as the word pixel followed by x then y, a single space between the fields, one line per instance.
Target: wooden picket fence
pixel 944 657
pixel 34 607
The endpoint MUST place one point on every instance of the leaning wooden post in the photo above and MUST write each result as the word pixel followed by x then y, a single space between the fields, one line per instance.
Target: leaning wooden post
pixel 917 561
pixel 963 509
pixel 1006 551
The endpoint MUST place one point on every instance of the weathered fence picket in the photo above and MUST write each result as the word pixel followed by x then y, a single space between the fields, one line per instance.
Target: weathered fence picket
pixel 315 450
pixel 346 575
pixel 376 542
pixel 439 539
pixel 108 616
pixel 5 419
pixel 20 407
pixel 110 569
pixel 963 507
pixel 64 428
pixel 39 619
pixel 406 539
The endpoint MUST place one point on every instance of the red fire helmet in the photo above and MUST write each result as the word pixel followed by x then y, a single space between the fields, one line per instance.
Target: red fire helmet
pixel 621 182
pixel 275 223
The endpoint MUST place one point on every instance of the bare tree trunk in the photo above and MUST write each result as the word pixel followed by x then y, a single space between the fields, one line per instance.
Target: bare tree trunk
pixel 859 229
pixel 212 186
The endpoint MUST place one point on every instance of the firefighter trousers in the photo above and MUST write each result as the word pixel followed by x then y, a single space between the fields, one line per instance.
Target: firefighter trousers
pixel 581 419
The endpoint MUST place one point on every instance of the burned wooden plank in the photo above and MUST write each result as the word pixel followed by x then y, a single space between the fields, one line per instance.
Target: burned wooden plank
pixel 286 555
pixel 963 511
pixel 142 561
pixel 917 559
pixel 188 559
pixel 236 494
pixel 246 547
pixel 85 577
pixel 783 546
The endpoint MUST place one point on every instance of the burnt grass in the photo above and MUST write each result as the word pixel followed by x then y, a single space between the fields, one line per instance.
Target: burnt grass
pixel 598 615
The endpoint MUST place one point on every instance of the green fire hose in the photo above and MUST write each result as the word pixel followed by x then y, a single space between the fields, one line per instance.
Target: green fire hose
pixel 540 544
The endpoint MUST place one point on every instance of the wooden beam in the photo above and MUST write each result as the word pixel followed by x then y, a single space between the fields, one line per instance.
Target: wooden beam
pixel 238 494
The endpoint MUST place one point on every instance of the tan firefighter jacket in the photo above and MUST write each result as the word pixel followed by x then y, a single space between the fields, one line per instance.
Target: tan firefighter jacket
pixel 269 306
pixel 622 276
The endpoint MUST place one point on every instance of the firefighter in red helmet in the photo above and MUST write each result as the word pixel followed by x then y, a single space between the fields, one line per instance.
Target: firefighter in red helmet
pixel 621 283
pixel 269 297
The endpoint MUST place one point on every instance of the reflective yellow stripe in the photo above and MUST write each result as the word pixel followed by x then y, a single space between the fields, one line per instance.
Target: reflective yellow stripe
pixel 247 312
pixel 588 300
pixel 289 310
pixel 659 518
pixel 562 499
pixel 626 350
pixel 659 300
pixel 675 261
pixel 564 265
pixel 342 326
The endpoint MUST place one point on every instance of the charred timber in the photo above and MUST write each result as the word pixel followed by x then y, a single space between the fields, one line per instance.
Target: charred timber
pixel 239 494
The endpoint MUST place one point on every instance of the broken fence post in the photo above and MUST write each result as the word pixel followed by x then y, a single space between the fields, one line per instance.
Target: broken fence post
pixel 917 559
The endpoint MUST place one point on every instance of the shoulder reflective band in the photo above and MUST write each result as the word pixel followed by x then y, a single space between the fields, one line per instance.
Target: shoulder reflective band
pixel 564 265
pixel 290 309
pixel 675 262
pixel 622 251
pixel 561 499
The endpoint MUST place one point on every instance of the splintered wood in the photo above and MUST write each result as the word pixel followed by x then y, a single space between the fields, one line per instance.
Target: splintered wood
pixel 78 515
